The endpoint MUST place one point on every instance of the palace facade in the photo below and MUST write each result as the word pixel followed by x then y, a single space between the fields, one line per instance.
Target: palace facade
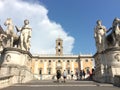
pixel 45 66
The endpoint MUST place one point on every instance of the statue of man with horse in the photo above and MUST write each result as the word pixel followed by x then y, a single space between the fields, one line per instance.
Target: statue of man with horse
pixel 25 35
pixel 107 38
pixel 9 38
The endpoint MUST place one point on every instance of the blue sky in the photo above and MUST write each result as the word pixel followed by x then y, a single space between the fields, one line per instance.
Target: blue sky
pixel 78 18
pixel 72 20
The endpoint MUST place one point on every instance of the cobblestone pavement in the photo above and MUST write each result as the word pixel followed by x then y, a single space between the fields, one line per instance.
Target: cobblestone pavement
pixel 69 85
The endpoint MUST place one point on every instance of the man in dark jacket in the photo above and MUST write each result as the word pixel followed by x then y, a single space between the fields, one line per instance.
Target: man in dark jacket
pixel 58 75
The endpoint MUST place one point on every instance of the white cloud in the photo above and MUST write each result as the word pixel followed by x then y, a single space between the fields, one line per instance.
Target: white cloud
pixel 44 31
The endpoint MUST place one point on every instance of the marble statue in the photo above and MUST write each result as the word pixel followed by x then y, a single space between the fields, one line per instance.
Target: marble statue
pixel 99 34
pixel 114 38
pixel 9 30
pixel 107 62
pixel 11 35
pixel 9 38
pixel 2 38
pixel 25 36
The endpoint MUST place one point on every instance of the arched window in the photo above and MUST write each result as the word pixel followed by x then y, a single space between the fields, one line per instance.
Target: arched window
pixel 68 62
pixel 86 60
pixel 49 71
pixel 40 71
pixel 59 61
pixel 59 43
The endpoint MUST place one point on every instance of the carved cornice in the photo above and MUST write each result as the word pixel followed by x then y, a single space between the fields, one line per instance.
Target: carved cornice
pixel 61 57
pixel 112 49
pixel 18 50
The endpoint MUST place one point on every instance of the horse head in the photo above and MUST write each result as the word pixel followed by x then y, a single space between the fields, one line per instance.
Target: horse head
pixel 8 22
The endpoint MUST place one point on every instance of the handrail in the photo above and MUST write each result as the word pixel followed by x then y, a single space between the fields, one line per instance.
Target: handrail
pixel 5 76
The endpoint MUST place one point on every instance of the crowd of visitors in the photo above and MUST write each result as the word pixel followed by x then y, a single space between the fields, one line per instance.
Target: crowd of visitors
pixel 80 75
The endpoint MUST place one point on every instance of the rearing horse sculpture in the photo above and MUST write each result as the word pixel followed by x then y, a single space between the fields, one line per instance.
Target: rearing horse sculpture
pixel 113 38
pixel 11 35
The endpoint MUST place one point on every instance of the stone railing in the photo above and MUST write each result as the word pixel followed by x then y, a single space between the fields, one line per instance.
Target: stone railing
pixel 5 80
pixel 117 80
pixel 16 74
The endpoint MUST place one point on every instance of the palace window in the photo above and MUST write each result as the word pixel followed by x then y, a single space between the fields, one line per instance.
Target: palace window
pixel 86 60
pixel 41 61
pixel 59 43
pixel 68 62
pixel 58 50
pixel 59 61
pixel 68 71
pixel 49 62
pixel 40 71
pixel 49 71
pixel 76 60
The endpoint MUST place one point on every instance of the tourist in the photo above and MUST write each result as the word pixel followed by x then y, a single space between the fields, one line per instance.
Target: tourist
pixel 76 74
pixel 64 75
pixel 72 75
pixel 58 75
pixel 83 73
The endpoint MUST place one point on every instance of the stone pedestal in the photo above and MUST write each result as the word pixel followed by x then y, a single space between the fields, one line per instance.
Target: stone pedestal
pixel 16 62
pixel 107 65
pixel 113 62
pixel 15 56
pixel 100 74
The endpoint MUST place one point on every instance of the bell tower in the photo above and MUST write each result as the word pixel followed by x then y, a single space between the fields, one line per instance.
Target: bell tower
pixel 59 47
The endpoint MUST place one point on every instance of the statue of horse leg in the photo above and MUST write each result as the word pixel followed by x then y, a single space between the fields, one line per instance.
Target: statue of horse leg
pixel 114 40
pixel 21 42
pixel 11 41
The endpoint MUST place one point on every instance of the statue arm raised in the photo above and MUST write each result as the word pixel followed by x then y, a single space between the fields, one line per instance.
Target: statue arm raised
pixel 109 29
pixel 18 29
